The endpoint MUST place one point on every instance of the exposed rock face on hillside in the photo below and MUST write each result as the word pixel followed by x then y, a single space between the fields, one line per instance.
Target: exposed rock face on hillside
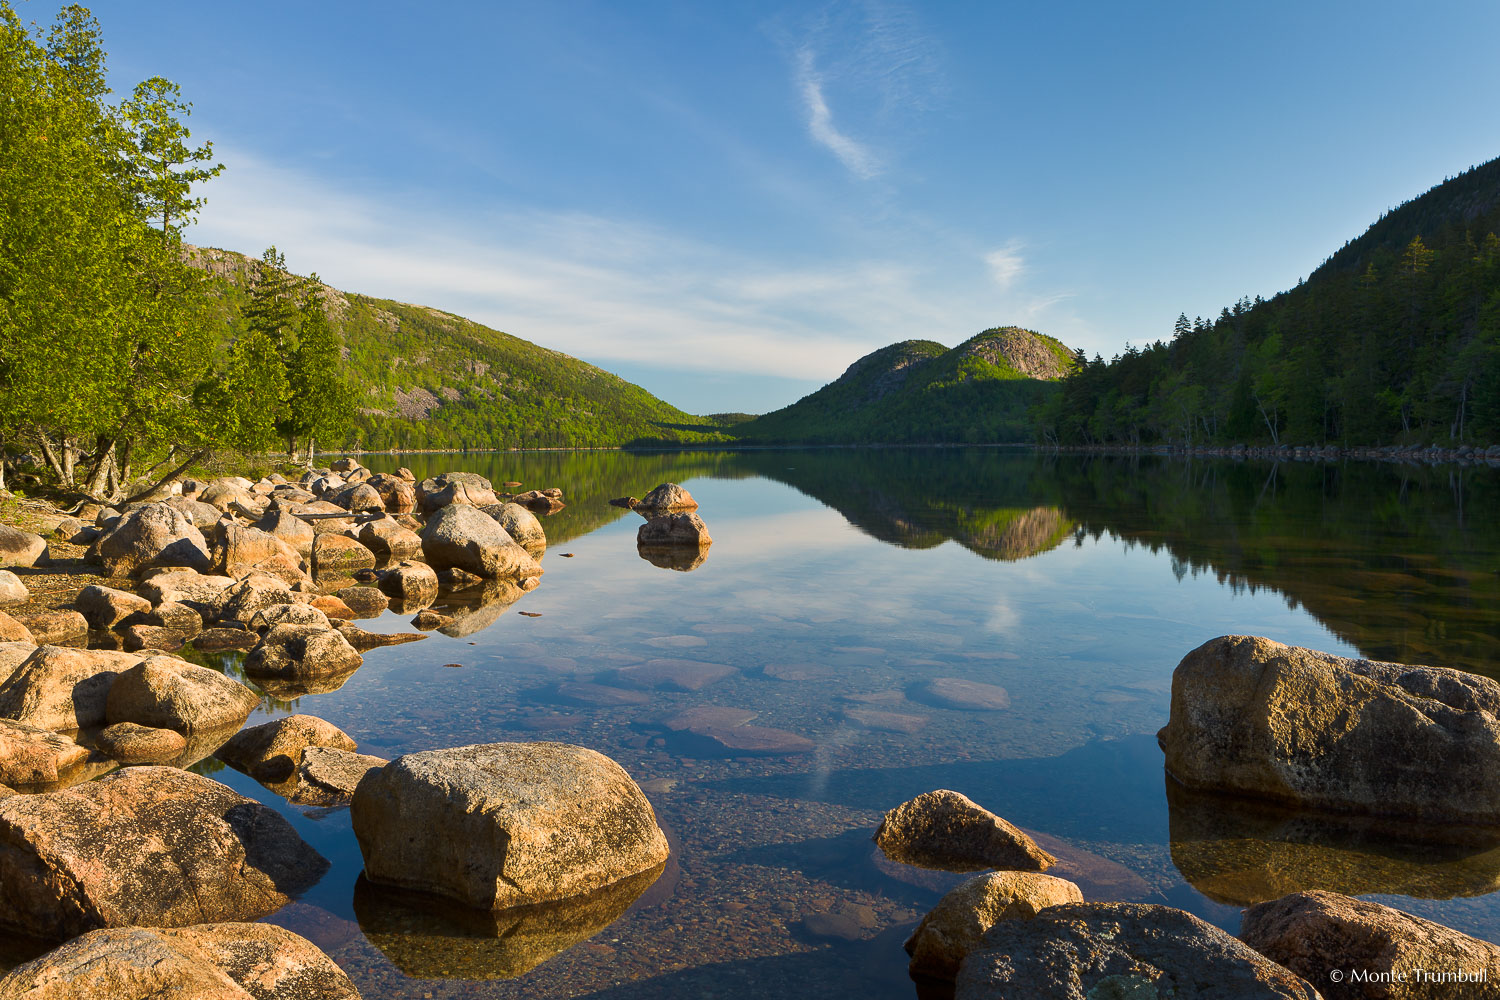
pixel 1021 349
pixel 888 368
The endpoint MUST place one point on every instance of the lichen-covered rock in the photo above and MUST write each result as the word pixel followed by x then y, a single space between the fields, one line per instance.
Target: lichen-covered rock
pixel 389 539
pixel 233 961
pixel 203 515
pixel 520 524
pixel 504 824
pixel 365 602
pixel 130 743
pixel 667 496
pixel 1314 933
pixel 204 594
pixel 280 521
pixel 33 756
pixel 1130 951
pixel 54 627
pixel 252 594
pixel 167 693
pixel 12 630
pixel 215 639
pixel 674 530
pixel 272 751
pixel 955 926
pixel 301 651
pixel 11 588
pixel 327 776
pixel 463 536
pixel 340 555
pixel 145 845
pixel 156 534
pixel 444 494
pixel 143 638
pixel 410 582
pixel 61 688
pixel 240 549
pixel 24 548
pixel 288 614
pixel 949 831
pixel 1255 717
pixel 176 616
pixel 105 607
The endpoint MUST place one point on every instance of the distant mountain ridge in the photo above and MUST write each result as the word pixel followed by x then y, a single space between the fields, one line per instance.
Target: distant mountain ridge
pixel 432 379
pixel 918 391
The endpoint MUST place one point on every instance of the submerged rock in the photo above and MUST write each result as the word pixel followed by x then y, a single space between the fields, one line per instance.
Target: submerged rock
pixel 505 824
pixel 962 695
pixel 959 921
pixel 210 854
pixel 1258 718
pixel 206 962
pixel 950 832
pixel 1313 933
pixel 362 640
pixel 1130 951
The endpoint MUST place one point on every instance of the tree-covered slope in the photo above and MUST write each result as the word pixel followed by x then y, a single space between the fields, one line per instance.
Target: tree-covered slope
pixel 431 379
pixel 1394 339
pixel 918 391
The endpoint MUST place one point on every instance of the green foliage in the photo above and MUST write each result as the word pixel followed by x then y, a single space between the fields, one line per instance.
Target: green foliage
pixel 321 402
pixel 165 167
pixel 1395 339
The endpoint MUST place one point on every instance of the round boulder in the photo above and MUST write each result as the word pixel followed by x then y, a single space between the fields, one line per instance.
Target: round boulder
pixel 950 832
pixel 955 926
pixel 667 496
pixel 466 537
pixel 504 824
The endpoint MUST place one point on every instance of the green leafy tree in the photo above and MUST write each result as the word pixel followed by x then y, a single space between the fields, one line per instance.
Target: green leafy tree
pixel 166 168
pixel 321 401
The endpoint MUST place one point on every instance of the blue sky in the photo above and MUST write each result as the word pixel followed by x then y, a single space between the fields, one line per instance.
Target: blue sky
pixel 730 202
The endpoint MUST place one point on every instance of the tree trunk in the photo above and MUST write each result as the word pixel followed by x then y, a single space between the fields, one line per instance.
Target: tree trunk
pixel 50 454
pixel 195 457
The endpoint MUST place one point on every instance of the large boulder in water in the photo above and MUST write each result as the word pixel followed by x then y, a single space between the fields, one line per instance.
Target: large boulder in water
pixel 950 832
pixel 467 538
pixel 155 534
pixel 1131 951
pixel 301 652
pixel 520 524
pixel 1254 717
pixel 505 824
pixel 154 846
pixel 164 692
pixel 273 750
pixel 1312 933
pixel 207 962
pixel 667 496
pixel 674 530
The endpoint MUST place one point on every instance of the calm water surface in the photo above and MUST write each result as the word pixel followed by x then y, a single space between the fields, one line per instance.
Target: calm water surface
pixel 840 581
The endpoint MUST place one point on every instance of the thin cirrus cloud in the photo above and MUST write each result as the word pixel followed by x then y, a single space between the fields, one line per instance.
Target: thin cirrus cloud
pixel 859 159
pixel 1006 264
pixel 596 288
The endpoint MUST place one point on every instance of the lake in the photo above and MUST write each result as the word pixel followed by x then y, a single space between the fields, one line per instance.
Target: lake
pixel 839 584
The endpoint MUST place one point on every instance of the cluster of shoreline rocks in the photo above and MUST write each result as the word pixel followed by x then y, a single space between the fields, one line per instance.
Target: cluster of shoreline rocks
pixel 1251 720
pixel 151 870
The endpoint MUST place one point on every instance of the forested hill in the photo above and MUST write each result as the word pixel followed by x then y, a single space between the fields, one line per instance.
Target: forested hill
pixel 1395 339
pixel 430 379
pixel 919 391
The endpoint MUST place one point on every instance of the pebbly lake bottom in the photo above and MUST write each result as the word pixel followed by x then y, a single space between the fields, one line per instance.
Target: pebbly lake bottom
pixel 840 584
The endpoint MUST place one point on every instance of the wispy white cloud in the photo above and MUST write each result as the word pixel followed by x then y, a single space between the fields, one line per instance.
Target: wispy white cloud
pixel 887 69
pixel 860 160
pixel 1006 264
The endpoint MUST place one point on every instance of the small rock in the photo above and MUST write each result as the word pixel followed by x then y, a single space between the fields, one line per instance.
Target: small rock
pixel 11 588
pixel 176 616
pixel 410 582
pixel 340 555
pixel 627 502
pixel 33 756
pixel 885 722
pixel 21 548
pixel 215 639
pixel 288 614
pixel 948 831
pixel 365 602
pixel 961 918
pixel 674 530
pixel 429 620
pixel 453 578
pixel 701 716
pixel 272 751
pixel 54 628
pixel 332 607
pixel 13 631
pixel 104 607
pixel 754 741
pixel 300 652
pixel 362 640
pixel 130 743
pixel 667 496
pixel 328 776
pixel 599 695
pixel 142 637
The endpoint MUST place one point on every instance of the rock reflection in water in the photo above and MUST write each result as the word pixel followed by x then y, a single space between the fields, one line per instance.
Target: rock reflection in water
pixel 477 608
pixel 431 938
pixel 1242 853
pixel 683 558
pixel 286 689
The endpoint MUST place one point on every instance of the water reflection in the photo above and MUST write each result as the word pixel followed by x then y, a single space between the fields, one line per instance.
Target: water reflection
pixel 1242 853
pixel 431 938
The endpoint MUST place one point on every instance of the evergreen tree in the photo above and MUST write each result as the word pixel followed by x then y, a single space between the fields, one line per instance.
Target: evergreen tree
pixel 321 400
